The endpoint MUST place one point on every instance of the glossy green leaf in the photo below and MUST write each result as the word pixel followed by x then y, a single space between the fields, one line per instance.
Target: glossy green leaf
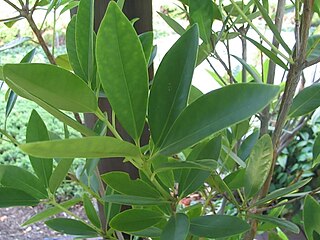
pixel 123 70
pixel 89 147
pixel 177 228
pixel 195 93
pixel 306 101
pixel 217 226
pixel 259 165
pixel 146 40
pixel 37 131
pixel 173 24
pixel 71 226
pixel 11 197
pixel 247 144
pixel 91 211
pixel 201 12
pixel 172 84
pixel 196 122
pixel 53 85
pixel 51 211
pixel 313 47
pixel 135 220
pixel 121 182
pixel 18 178
pixel 134 200
pixel 247 67
pixel 278 222
pixel 282 192
pixel 311 217
pixel 59 174
pixel 84 38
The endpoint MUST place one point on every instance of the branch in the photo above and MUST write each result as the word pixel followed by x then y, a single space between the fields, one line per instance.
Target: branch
pixel 311 63
pixel 10 19
pixel 12 5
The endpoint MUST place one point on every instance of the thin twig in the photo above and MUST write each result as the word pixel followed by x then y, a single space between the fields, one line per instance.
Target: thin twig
pixel 12 5
pixel 311 62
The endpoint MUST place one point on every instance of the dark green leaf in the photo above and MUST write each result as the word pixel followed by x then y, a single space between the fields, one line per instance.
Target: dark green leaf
pixel 177 228
pixel 311 217
pixel 146 40
pixel 71 226
pixel 89 147
pixel 247 144
pixel 166 177
pixel 196 122
pixel 11 197
pixel 59 174
pixel 217 226
pixel 18 178
pixel 195 93
pixel 123 72
pixel 172 84
pixel 235 179
pixel 91 211
pixel 306 101
pixel 135 220
pixel 316 151
pixel 175 26
pixel 133 200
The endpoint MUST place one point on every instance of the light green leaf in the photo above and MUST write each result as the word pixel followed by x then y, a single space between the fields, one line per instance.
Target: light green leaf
pixel 175 26
pixel 311 217
pixel 172 84
pixel 63 61
pixel 135 220
pixel 122 69
pixel 259 165
pixel 151 232
pixel 134 200
pixel 247 67
pixel 217 226
pixel 59 174
pixel 69 6
pixel 146 40
pixel 196 122
pixel 56 86
pixel 177 228
pixel 89 147
pixel 18 178
pixel 11 197
pixel 306 101
pixel 71 226
pixel 91 211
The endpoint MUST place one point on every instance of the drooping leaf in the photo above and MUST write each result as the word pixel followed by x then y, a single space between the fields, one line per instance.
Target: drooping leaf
pixel 11 197
pixel 123 73
pixel 135 220
pixel 177 228
pixel 311 217
pixel 89 147
pixel 172 84
pixel 134 200
pixel 59 174
pixel 91 211
pixel 196 122
pixel 306 101
pixel 71 226
pixel 259 165
pixel 18 178
pixel 175 26
pixel 37 131
pixel 121 182
pixel 53 85
pixel 217 226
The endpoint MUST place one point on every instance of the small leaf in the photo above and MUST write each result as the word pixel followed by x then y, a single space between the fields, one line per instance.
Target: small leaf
pixel 69 6
pixel 175 26
pixel 71 226
pixel 91 211
pixel 63 61
pixel 89 147
pixel 177 228
pixel 59 174
pixel 14 43
pixel 235 179
pixel 135 220
pixel 146 40
pixel 306 101
pixel 217 226
pixel 11 197
pixel 247 144
pixel 247 67
pixel 259 165
pixel 311 217
pixel 134 200
pixel 316 151
pixel 195 93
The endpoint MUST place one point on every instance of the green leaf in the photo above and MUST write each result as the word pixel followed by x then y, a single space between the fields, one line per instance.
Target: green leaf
pixel 196 122
pixel 121 182
pixel 53 85
pixel 217 226
pixel 84 38
pixel 278 222
pixel 175 26
pixel 69 6
pixel 18 178
pixel 247 144
pixel 306 101
pixel 91 211
pixel 123 72
pixel 134 200
pixel 247 67
pixel 316 151
pixel 89 147
pixel 195 93
pixel 63 61
pixel 59 174
pixel 177 228
pixel 273 57
pixel 166 177
pixel 37 131
pixel 51 211
pixel 259 165
pixel 313 47
pixel 146 40
pixel 14 43
pixel 201 12
pixel 71 226
pixel 135 220
pixel 72 48
pixel 172 84
pixel 11 197
pixel 235 179
pixel 151 232
pixel 282 192
pixel 311 217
